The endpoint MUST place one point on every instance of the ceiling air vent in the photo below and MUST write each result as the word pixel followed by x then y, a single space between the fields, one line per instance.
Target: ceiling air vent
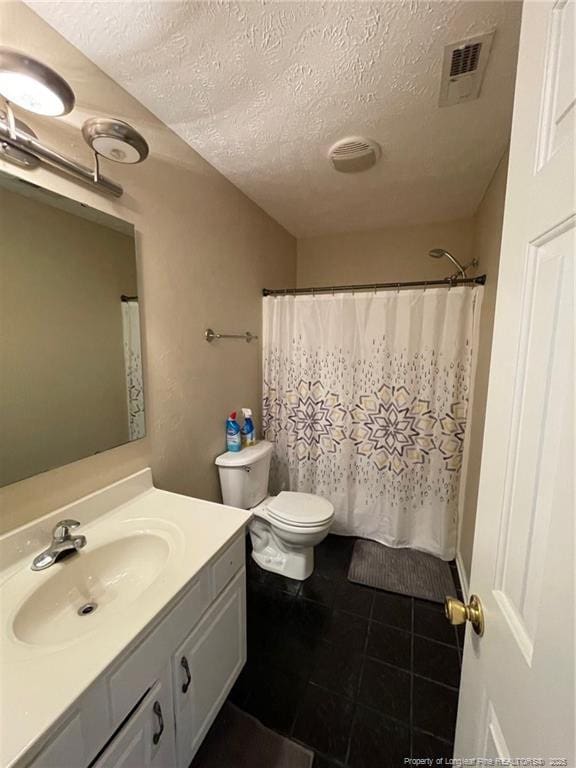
pixel 463 69
pixel 354 154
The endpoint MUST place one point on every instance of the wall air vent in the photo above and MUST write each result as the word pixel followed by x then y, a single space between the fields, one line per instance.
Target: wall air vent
pixel 463 69
pixel 465 59
pixel 354 154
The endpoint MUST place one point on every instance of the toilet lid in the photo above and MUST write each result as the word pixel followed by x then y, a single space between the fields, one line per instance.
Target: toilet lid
pixel 303 509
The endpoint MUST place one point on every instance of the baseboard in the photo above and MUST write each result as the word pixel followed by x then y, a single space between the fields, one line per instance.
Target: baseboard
pixel 462 574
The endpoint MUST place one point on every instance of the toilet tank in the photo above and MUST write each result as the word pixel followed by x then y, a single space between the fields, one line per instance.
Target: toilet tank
pixel 244 475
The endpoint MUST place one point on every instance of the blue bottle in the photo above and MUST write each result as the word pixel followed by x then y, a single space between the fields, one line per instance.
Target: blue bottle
pixel 233 437
pixel 248 432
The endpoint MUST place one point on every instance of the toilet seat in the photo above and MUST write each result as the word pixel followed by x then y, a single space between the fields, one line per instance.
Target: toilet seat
pixel 300 510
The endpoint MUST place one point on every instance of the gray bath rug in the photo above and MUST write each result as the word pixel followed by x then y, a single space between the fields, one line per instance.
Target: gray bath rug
pixel 238 740
pixel 405 571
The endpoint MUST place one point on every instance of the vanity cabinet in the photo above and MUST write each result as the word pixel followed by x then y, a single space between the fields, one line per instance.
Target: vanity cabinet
pixel 156 702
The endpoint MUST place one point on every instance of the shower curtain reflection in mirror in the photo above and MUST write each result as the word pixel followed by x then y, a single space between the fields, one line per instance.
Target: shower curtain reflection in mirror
pixel 366 398
pixel 133 366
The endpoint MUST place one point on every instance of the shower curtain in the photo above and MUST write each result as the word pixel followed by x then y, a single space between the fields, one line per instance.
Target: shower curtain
pixel 133 367
pixel 366 398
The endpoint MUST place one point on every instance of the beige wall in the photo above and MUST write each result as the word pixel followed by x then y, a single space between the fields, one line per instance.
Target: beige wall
pixel 63 383
pixel 397 253
pixel 486 248
pixel 205 251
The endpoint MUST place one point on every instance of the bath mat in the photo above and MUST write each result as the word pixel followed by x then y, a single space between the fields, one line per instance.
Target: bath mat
pixel 238 740
pixel 405 571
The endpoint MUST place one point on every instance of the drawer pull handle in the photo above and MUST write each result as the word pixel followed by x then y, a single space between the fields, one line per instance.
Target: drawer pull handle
pixel 158 712
pixel 186 667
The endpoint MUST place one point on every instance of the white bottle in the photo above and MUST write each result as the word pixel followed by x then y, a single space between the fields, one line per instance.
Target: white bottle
pixel 248 432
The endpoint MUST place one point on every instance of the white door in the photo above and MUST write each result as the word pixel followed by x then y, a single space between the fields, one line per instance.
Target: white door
pixel 518 687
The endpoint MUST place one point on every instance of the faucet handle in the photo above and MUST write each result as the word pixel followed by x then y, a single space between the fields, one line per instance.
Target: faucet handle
pixel 62 529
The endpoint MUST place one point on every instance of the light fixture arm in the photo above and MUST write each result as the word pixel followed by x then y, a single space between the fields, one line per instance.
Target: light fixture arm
pixel 10 118
pixel 70 167
pixel 96 175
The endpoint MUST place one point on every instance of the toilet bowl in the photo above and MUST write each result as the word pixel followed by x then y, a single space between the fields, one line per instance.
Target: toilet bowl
pixel 285 528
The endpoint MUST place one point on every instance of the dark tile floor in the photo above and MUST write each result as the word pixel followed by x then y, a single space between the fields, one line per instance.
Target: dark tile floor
pixel 363 677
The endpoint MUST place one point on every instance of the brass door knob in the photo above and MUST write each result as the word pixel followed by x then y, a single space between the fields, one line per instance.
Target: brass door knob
pixel 458 613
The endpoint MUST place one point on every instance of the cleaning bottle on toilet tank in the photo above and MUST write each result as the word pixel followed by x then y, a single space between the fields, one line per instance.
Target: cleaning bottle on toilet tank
pixel 248 432
pixel 233 438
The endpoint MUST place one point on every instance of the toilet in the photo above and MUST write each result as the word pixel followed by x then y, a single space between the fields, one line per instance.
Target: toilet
pixel 285 528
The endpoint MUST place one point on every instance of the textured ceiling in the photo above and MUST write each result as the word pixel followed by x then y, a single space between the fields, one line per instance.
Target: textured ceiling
pixel 261 90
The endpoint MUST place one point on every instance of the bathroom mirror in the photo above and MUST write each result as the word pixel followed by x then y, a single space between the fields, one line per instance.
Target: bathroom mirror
pixel 70 359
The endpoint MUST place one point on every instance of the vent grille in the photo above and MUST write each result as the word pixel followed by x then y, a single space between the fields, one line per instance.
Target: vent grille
pixel 350 148
pixel 465 59
pixel 354 154
pixel 463 66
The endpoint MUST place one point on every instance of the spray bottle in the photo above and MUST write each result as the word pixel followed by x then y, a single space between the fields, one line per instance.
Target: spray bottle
pixel 248 432
pixel 233 438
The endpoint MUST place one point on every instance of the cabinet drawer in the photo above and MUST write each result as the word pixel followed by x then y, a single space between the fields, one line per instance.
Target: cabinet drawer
pixel 133 676
pixel 228 564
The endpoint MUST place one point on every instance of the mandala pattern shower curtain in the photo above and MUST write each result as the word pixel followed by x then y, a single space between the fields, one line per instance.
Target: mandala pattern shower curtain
pixel 366 398
pixel 133 367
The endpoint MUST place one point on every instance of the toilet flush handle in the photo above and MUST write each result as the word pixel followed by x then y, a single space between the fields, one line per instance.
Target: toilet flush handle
pixel 243 467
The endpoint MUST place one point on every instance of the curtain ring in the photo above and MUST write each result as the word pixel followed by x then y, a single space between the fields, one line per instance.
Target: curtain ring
pixel 397 287
pixel 375 289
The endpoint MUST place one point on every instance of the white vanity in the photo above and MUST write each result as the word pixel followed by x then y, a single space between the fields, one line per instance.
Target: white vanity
pixel 123 653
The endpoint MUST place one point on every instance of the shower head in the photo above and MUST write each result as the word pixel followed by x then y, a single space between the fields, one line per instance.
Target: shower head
pixel 439 253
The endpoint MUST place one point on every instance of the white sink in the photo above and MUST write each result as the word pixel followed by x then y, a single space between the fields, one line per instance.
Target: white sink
pixel 77 595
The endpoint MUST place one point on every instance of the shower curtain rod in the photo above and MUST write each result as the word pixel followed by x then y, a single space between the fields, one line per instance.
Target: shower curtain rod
pixel 449 282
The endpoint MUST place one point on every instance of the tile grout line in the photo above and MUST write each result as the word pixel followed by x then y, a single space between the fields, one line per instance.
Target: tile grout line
pixel 355 703
pixel 453 688
pixel 359 684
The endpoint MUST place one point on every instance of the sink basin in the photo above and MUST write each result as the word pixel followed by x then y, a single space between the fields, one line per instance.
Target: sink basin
pixel 87 586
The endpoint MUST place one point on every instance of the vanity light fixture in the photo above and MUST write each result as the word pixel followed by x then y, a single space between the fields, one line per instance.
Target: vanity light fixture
pixel 30 84
pixel 115 140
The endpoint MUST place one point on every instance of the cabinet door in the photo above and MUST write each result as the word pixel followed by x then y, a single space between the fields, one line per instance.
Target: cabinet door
pixel 206 666
pixel 147 738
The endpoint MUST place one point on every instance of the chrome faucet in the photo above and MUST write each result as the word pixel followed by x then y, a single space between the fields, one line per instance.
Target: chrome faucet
pixel 62 542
